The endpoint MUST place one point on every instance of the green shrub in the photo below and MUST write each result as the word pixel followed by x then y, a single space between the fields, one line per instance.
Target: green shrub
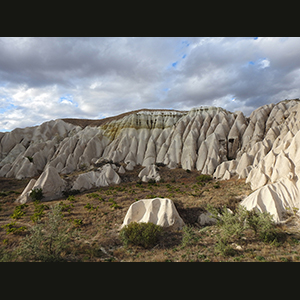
pixel 263 226
pixel 47 242
pixel 233 225
pixel 189 236
pixel 30 158
pixel 38 211
pixel 90 207
pixel 11 228
pixel 18 212
pixel 36 194
pixel 114 204
pixel 77 222
pixel 70 193
pixel 71 198
pixel 204 178
pixel 140 234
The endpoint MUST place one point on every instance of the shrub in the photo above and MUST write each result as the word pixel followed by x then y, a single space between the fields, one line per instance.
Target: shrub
pixel 65 207
pixel 70 193
pixel 204 178
pixel 263 226
pixel 47 242
pixel 77 222
pixel 90 207
pixel 71 198
pixel 140 234
pixel 36 194
pixel 233 225
pixel 18 212
pixel 11 228
pixel 189 236
pixel 30 158
pixel 38 211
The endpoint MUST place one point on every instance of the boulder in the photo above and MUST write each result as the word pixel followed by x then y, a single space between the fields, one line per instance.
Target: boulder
pixel 159 211
pixel 25 196
pixel 106 176
pixel 149 172
pixel 206 219
pixel 49 181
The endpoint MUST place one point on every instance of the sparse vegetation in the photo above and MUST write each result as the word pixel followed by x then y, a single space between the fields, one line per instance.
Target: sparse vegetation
pixel 140 234
pixel 257 239
pixel 18 212
pixel 47 242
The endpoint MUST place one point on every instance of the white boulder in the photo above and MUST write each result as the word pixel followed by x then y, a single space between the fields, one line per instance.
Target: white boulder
pixel 50 183
pixel 159 211
pixel 149 172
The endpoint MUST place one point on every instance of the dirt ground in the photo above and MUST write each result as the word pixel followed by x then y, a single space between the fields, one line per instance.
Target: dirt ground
pixel 99 226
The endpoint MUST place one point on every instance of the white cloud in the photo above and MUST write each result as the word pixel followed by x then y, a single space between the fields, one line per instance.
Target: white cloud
pixel 50 78
pixel 264 63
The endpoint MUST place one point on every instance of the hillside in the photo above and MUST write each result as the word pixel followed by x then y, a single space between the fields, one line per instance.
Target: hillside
pixel 98 220
pixel 162 147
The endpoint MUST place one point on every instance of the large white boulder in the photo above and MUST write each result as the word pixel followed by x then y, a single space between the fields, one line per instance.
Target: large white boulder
pixel 159 211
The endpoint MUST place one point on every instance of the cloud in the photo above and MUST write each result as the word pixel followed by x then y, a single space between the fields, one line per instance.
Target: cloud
pixel 50 78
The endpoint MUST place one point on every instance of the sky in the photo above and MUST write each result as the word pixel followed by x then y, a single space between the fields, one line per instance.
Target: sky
pixel 47 78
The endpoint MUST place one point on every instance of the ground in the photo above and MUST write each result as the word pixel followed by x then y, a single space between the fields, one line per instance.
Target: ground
pixel 99 213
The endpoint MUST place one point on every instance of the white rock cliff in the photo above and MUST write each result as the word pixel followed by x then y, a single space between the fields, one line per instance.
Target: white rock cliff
pixel 262 148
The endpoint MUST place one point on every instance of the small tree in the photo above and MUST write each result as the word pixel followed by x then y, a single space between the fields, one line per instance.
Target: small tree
pixel 47 241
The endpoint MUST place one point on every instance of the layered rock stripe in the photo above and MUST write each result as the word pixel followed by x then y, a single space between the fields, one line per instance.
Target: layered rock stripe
pixel 262 147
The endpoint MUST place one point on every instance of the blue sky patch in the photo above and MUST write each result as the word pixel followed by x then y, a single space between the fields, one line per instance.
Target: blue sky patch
pixel 6 108
pixel 67 99
pixel 174 64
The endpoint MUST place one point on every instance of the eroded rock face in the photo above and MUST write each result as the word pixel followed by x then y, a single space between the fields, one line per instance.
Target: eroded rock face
pixel 51 184
pixel 262 148
pixel 160 211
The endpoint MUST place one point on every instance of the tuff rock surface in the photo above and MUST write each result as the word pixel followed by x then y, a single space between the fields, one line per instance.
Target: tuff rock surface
pixel 263 148
pixel 160 211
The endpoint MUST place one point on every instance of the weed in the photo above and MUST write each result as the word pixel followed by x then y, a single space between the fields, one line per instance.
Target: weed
pixel 77 222
pixel 114 204
pixel 65 207
pixel 71 198
pixel 189 236
pixel 90 207
pixel 38 211
pixel 11 228
pixel 260 258
pixel 140 234
pixel 18 212
pixel 216 185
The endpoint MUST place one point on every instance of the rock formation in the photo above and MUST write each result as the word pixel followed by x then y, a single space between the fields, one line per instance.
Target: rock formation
pixel 160 211
pixel 262 148
pixel 50 183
